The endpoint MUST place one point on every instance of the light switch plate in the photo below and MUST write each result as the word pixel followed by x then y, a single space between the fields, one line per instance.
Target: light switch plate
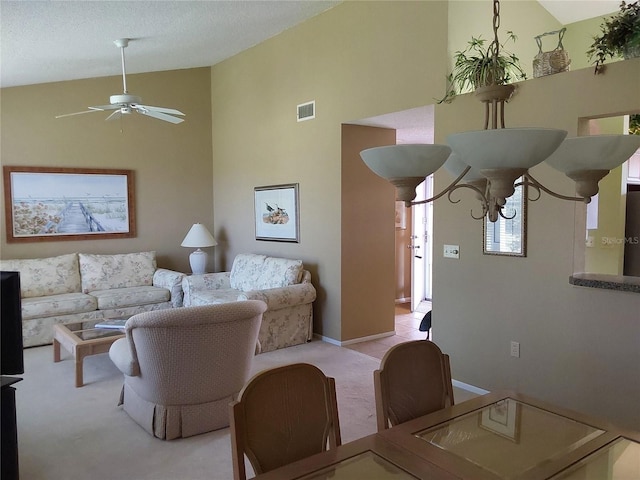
pixel 452 251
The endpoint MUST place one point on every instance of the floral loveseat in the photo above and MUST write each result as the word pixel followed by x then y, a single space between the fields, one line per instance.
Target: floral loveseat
pixel 281 283
pixel 78 287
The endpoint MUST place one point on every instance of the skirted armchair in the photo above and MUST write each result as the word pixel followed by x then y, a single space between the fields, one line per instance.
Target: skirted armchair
pixel 183 366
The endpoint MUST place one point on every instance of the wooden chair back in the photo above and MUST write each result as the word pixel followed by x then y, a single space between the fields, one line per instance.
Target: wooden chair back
pixel 282 415
pixel 414 379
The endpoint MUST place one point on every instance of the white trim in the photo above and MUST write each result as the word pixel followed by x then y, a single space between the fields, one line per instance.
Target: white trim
pixel 469 388
pixel 355 340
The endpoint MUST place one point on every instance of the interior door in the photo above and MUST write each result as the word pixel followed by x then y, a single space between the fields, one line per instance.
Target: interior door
pixel 421 245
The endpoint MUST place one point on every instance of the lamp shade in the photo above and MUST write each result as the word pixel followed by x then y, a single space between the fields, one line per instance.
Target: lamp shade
pixel 594 152
pixel 198 237
pixel 506 147
pixel 455 167
pixel 408 160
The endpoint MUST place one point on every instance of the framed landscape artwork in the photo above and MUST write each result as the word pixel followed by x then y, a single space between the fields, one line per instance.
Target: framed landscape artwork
pixel 276 213
pixel 53 204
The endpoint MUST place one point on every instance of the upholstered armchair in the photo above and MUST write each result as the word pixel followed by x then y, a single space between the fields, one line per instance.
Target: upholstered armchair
pixel 183 366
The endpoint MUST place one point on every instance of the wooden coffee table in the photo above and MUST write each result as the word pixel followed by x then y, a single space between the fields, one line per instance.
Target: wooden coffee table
pixel 82 339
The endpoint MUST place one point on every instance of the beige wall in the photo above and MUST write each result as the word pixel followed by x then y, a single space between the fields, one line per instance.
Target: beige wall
pixel 368 219
pixel 356 60
pixel 579 346
pixel 171 163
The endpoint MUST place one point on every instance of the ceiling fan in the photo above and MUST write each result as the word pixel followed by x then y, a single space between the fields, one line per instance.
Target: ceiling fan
pixel 126 103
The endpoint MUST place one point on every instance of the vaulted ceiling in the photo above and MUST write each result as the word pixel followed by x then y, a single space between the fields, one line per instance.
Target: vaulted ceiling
pixel 46 41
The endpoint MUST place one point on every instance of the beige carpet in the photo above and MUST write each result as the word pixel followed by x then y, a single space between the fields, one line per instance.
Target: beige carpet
pixel 70 433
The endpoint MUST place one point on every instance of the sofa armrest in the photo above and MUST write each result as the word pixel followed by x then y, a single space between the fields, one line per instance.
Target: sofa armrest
pixel 207 281
pixel 172 281
pixel 282 297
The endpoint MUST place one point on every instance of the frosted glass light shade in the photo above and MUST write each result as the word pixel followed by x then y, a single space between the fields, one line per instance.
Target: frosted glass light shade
pixel 513 148
pixel 455 166
pixel 405 166
pixel 198 237
pixel 409 160
pixel 595 152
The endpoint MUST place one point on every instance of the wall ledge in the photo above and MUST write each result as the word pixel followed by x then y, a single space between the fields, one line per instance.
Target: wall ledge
pixel 608 282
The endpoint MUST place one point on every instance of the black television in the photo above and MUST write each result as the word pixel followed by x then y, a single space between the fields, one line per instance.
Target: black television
pixel 11 325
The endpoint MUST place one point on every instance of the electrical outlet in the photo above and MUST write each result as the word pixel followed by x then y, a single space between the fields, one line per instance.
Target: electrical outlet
pixel 589 242
pixel 515 349
pixel 452 251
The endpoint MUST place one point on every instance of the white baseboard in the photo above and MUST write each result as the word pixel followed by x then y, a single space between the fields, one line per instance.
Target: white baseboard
pixel 469 388
pixel 354 340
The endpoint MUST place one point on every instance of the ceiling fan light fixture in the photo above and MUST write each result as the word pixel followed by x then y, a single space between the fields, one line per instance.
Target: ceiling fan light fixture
pixel 125 103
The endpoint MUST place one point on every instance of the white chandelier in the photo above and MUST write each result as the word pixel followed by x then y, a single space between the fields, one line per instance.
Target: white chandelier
pixel 491 161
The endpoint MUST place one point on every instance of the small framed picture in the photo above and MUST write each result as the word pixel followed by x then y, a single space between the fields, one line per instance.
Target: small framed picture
pixel 277 213
pixel 502 418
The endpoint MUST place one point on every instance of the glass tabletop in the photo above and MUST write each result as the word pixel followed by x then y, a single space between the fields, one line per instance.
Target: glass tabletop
pixel 510 437
pixel 619 460
pixel 365 465
pixel 87 330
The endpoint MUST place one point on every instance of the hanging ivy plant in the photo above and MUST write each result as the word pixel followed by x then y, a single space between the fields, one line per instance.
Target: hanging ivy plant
pixel 620 36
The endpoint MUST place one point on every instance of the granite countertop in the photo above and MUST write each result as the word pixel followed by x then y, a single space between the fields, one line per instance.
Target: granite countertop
pixel 610 282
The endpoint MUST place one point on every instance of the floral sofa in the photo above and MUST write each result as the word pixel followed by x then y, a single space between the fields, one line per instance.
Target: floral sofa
pixel 81 287
pixel 281 283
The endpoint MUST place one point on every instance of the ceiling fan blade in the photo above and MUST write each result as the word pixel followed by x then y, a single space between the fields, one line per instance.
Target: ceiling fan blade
pixel 114 116
pixel 160 115
pixel 76 113
pixel 102 108
pixel 172 111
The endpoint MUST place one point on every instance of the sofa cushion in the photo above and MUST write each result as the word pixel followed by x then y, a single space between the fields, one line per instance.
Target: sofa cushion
pixel 245 271
pixel 278 272
pixel 129 297
pixel 46 276
pixel 209 297
pixel 54 305
pixel 105 272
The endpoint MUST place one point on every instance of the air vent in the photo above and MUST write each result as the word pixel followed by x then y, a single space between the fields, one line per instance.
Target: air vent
pixel 306 111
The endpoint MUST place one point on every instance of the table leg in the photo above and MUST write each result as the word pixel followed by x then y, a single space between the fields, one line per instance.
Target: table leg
pixel 79 358
pixel 56 350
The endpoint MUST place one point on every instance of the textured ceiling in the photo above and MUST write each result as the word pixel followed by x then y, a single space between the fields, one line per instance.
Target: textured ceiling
pixel 47 41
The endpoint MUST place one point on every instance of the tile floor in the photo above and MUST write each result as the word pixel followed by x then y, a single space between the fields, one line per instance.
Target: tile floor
pixel 407 324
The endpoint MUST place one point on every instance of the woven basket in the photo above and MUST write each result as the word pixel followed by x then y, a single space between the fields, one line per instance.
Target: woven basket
pixel 553 61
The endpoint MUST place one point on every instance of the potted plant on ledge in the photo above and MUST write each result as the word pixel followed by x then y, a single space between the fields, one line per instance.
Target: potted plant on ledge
pixel 475 67
pixel 620 36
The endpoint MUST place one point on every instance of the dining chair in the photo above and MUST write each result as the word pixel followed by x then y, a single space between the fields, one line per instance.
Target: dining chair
pixel 282 415
pixel 414 379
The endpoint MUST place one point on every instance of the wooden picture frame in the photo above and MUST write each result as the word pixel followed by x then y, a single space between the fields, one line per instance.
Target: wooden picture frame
pixel 56 204
pixel 277 213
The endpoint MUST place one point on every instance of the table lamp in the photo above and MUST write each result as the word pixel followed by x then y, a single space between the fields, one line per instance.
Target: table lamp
pixel 198 237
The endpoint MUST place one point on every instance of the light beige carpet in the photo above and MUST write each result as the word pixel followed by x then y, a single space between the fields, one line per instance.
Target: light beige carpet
pixel 68 433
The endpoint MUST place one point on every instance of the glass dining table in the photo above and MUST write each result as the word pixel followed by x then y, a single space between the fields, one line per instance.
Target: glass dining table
pixel 494 436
